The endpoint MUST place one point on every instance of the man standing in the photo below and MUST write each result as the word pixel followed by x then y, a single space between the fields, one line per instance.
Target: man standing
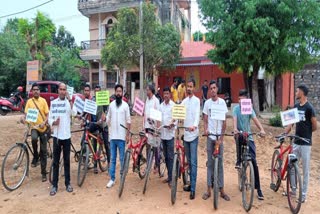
pixel 241 122
pixel 167 134
pixel 213 106
pixel 304 129
pixel 87 91
pixel 118 114
pixel 182 92
pixel 40 104
pixel 191 135
pixel 174 91
pixel 204 89
pixel 61 136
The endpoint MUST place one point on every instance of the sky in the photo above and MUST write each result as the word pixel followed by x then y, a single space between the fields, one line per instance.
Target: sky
pixel 65 12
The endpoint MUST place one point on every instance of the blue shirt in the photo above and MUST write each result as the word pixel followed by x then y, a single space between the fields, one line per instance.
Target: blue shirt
pixel 243 121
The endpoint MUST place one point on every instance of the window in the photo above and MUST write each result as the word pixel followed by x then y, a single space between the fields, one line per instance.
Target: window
pixel 54 88
pixel 224 85
pixel 44 88
pixel 111 79
pixel 135 77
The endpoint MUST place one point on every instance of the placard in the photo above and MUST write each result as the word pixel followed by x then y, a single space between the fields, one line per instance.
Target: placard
pixel 79 104
pixel 218 112
pixel 102 98
pixel 246 106
pixel 155 114
pixel 289 117
pixel 70 90
pixel 32 115
pixel 58 109
pixel 179 112
pixel 138 106
pixel 90 107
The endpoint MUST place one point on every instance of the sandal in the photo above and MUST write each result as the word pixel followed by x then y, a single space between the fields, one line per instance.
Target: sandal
pixel 206 195
pixel 53 191
pixel 225 197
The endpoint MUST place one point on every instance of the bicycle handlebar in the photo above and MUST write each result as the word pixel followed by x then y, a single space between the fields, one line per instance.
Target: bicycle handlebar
pixel 217 135
pixel 280 138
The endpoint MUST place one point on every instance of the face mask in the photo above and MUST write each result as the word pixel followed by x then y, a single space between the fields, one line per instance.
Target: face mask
pixel 118 100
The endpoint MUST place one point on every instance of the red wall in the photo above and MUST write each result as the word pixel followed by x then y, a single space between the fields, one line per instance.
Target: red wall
pixel 285 90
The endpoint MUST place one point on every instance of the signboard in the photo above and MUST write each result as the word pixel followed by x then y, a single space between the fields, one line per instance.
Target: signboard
pixel 79 104
pixel 179 112
pixel 218 112
pixel 289 117
pixel 32 115
pixel 32 73
pixel 102 98
pixel 155 114
pixel 58 109
pixel 246 106
pixel 138 106
pixel 90 107
pixel 70 90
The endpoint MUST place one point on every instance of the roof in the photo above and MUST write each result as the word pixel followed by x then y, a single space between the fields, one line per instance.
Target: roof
pixel 195 49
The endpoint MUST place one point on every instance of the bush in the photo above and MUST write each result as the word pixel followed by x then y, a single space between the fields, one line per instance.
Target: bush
pixel 276 120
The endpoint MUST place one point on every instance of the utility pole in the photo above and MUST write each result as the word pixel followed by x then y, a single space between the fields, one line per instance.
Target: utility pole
pixel 141 51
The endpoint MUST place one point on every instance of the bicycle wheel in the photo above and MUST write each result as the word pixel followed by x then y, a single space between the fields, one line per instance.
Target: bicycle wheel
pixel 240 179
pixel 149 166
pixel 103 159
pixel 15 167
pixel 247 185
pixel 294 188
pixel 275 171
pixel 175 175
pixel 162 162
pixel 83 164
pixel 61 166
pixel 142 161
pixel 125 172
pixel 215 183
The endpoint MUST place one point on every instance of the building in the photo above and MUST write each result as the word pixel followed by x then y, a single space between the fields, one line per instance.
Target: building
pixel 102 15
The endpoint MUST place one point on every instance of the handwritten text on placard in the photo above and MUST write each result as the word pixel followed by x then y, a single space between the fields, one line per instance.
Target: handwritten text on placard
pixel 58 108
pixel 102 98
pixel 32 115
pixel 90 107
pixel 246 106
pixel 79 103
pixel 138 106
pixel 179 112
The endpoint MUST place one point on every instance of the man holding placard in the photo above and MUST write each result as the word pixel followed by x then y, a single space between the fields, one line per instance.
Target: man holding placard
pixel 242 115
pixel 215 110
pixel 60 114
pixel 36 113
pixel 191 135
pixel 304 129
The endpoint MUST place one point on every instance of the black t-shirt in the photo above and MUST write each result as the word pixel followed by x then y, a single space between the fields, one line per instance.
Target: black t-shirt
pixel 205 91
pixel 304 127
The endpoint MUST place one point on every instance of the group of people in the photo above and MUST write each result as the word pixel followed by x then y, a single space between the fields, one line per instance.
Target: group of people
pixel 118 113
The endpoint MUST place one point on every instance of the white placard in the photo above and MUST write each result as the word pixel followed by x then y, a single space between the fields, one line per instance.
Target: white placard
pixel 90 107
pixel 218 112
pixel 58 109
pixel 70 90
pixel 155 114
pixel 289 117
pixel 79 103
pixel 246 106
pixel 32 115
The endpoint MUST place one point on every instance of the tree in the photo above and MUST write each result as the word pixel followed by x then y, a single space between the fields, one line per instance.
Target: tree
pixel 279 36
pixel 63 38
pixel 197 36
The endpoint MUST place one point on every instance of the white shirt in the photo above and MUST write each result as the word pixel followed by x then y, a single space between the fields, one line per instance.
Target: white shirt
pixel 115 117
pixel 150 103
pixel 214 125
pixel 63 130
pixel 166 111
pixel 192 117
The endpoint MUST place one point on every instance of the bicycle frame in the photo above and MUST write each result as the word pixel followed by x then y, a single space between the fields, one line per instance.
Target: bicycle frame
pixel 283 151
pixel 88 139
pixel 135 148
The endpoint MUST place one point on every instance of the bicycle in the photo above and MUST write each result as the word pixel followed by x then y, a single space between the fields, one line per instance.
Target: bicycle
pixel 289 171
pixel 215 176
pixel 15 165
pixel 139 156
pixel 98 151
pixel 180 165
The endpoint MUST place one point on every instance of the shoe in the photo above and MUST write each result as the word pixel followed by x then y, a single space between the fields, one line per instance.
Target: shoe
pixel 110 184
pixel 95 170
pixel 53 191
pixel 69 188
pixel 44 178
pixel 165 181
pixel 303 199
pixel 238 165
pixel 192 195
pixel 260 195
pixel 187 188
pixel 34 162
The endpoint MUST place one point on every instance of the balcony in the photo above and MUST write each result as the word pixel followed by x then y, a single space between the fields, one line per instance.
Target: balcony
pixel 89 7
pixel 90 50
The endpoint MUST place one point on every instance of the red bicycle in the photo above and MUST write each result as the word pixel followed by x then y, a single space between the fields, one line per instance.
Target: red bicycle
pixel 138 152
pixel 180 165
pixel 288 171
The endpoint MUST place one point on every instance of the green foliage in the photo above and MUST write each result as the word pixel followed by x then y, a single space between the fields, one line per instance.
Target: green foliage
pixel 63 38
pixel 276 120
pixel 197 36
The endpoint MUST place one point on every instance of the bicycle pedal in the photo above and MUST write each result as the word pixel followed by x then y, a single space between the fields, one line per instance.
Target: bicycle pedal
pixel 272 186
pixel 284 194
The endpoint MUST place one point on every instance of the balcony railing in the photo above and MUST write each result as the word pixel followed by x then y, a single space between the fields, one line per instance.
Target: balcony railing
pixel 93 44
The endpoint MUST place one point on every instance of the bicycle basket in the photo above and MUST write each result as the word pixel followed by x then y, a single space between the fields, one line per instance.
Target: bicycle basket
pixel 153 140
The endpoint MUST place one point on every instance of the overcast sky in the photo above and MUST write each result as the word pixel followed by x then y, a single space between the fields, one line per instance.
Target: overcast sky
pixel 65 12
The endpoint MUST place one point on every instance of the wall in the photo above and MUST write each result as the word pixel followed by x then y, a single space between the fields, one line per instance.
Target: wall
pixel 285 90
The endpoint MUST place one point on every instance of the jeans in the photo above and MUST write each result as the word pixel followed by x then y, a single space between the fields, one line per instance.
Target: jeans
pixel 35 134
pixel 168 151
pixel 121 145
pixel 57 144
pixel 210 163
pixel 191 150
